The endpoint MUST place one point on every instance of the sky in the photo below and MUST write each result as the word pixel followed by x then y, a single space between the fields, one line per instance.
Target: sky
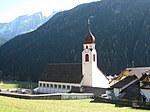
pixel 11 9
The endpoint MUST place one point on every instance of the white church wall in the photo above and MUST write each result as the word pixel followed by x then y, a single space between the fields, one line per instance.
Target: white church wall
pixel 54 87
pixel 88 66
pixel 86 81
pixel 92 75
pixel 99 79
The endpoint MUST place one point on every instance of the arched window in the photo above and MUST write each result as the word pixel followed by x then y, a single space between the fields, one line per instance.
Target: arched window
pixel 86 47
pixel 86 57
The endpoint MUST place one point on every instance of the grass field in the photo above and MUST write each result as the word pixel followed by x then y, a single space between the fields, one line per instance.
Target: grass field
pixel 8 104
pixel 20 84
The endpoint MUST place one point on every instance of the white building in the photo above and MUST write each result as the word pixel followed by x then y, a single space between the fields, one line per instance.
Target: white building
pixel 61 78
pixel 145 90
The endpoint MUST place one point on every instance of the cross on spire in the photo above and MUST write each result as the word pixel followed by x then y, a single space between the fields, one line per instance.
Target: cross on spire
pixel 89 22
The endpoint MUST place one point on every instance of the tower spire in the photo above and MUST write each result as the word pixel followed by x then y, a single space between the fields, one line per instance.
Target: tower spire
pixel 89 24
pixel 89 28
pixel 89 38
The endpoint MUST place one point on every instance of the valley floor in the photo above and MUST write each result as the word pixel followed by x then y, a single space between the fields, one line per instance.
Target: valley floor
pixel 17 84
pixel 8 104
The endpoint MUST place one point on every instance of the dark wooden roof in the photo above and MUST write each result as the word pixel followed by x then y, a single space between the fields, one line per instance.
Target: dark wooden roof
pixel 146 85
pixel 132 92
pixel 62 72
pixel 124 82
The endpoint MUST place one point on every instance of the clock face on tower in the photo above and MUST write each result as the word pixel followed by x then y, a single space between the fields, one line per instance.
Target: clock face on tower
pixel 90 46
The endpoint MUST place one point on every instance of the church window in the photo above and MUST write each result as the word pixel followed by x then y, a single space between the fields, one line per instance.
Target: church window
pixel 86 47
pixel 55 86
pixel 59 86
pixel 40 84
pixel 93 57
pixel 43 85
pixel 51 85
pixel 64 86
pixel 68 87
pixel 86 57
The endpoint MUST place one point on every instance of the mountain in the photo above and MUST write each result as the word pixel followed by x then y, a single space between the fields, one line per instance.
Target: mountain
pixel 20 25
pixel 2 41
pixel 121 29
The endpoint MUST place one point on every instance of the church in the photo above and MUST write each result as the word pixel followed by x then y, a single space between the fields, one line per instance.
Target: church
pixel 61 78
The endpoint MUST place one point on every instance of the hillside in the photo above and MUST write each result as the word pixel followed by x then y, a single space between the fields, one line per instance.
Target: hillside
pixel 121 28
pixel 2 41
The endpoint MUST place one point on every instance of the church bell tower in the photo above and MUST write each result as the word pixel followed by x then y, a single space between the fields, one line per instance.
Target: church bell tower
pixel 92 76
pixel 89 57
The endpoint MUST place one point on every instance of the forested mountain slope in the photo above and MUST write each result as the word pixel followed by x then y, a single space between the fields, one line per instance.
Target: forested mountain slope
pixel 121 29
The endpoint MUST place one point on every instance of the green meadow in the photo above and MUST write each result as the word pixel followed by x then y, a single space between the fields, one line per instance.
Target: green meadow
pixel 8 104
pixel 27 85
